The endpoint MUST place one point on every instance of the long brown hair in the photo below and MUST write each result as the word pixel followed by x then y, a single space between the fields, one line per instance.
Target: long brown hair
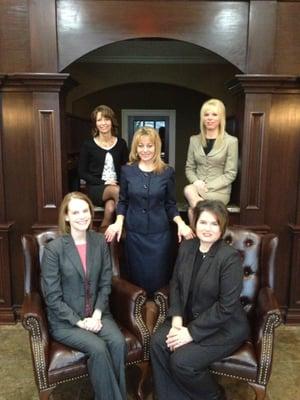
pixel 154 137
pixel 63 225
pixel 108 113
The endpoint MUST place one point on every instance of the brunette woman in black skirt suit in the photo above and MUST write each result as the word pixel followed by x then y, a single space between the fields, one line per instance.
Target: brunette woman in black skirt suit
pixel 100 162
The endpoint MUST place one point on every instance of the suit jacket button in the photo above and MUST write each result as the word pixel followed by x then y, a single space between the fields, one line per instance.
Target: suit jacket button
pixel 144 211
pixel 196 315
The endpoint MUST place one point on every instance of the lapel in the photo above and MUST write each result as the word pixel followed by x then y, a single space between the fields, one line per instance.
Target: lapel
pixel 72 254
pixel 208 260
pixel 218 147
pixel 90 253
pixel 204 267
pixel 188 273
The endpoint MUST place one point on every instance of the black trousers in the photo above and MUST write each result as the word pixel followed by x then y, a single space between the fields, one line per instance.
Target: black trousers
pixel 183 374
pixel 106 352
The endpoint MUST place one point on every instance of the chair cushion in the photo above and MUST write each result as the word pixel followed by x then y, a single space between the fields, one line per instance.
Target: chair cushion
pixel 241 364
pixel 66 363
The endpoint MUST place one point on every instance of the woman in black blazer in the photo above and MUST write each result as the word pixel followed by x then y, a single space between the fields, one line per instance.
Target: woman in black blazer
pixel 76 283
pixel 101 158
pixel 147 204
pixel 206 321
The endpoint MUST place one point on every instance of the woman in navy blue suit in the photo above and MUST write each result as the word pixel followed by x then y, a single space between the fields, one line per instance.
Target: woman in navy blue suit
pixel 147 204
pixel 76 283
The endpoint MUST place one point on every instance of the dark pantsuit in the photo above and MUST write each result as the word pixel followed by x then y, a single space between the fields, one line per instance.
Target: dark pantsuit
pixel 106 351
pixel 183 374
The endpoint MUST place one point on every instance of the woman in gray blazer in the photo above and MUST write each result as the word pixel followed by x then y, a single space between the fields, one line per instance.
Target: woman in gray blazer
pixel 212 159
pixel 206 321
pixel 76 282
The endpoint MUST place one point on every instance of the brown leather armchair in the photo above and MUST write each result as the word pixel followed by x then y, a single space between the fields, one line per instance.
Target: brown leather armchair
pixel 54 363
pixel 252 362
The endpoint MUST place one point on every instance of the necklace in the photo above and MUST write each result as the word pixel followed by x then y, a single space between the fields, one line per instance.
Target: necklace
pixel 106 144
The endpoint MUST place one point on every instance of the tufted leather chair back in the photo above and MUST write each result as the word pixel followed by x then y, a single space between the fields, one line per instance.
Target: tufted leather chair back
pixel 33 251
pixel 254 250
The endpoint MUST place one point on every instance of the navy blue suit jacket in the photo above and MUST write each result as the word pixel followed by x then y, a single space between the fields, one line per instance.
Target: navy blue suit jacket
pixel 148 206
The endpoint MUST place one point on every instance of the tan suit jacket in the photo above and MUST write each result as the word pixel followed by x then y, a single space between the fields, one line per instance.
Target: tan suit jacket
pixel 218 169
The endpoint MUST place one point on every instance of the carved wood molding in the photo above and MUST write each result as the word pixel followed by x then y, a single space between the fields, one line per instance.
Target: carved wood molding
pixel 33 82
pixel 257 83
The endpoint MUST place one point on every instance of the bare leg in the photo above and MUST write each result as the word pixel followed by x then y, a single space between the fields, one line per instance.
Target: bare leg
pixel 110 198
pixel 193 197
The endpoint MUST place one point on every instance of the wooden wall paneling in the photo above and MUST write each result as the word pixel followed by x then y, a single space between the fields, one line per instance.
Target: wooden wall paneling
pixel 218 26
pixel 15 37
pixel 261 37
pixel 287 54
pixel 6 306
pixel 254 159
pixel 48 155
pixel 2 199
pixel 43 40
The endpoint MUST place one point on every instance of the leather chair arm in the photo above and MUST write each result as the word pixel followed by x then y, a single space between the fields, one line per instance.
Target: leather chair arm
pixel 33 308
pixel 126 303
pixel 267 312
pixel 268 317
pixel 35 321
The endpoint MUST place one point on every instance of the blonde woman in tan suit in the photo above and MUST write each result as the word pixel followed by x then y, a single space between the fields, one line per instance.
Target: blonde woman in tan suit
pixel 212 159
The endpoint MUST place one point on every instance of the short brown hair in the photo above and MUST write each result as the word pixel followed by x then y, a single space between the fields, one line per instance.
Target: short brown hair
pixel 63 225
pixel 215 207
pixel 108 113
pixel 154 137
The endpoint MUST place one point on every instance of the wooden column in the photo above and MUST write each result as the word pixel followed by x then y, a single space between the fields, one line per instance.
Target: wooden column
pixel 6 307
pixel 31 168
pixel 269 198
pixel 42 91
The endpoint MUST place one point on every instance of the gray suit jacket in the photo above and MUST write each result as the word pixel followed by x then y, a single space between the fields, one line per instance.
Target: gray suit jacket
pixel 63 280
pixel 218 316
pixel 218 168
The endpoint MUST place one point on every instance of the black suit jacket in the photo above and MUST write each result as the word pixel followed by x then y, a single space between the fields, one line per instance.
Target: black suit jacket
pixel 218 316
pixel 63 279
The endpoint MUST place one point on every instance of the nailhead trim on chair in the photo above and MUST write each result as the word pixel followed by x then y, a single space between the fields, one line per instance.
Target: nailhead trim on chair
pixel 267 341
pixel 142 327
pixel 32 325
pixel 161 301
pixel 267 347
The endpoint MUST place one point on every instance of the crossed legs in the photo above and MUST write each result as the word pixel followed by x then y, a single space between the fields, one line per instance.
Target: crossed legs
pixel 110 198
pixel 192 196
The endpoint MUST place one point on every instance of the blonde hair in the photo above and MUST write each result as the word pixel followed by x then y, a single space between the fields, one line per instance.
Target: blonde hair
pixel 220 108
pixel 154 137
pixel 63 225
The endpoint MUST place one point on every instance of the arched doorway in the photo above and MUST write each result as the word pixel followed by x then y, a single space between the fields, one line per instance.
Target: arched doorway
pixel 147 74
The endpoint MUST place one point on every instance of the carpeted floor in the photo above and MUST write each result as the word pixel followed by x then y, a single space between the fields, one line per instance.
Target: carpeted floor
pixel 17 383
